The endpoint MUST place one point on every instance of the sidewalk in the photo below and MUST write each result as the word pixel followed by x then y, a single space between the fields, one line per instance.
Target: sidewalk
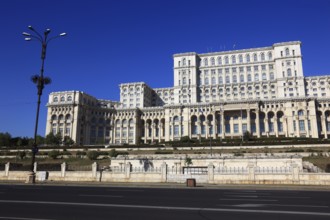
pixel 174 185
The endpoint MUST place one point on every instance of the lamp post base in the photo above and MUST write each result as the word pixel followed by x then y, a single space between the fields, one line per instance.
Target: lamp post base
pixel 31 178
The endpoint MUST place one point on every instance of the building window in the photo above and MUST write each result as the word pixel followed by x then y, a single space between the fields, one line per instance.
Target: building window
pixel 271 76
pixel 212 61
pixel 236 130
pixel 55 99
pixel 241 78
pixel 206 63
pixel 220 80
pixel 227 79
pixel 233 59
pixel 301 125
pixel 287 52
pixel 264 77
pixel 255 57
pixel 248 58
pixel 280 126
pixel 270 56
pixel 206 81
pixel 227 127
pixel 289 73
pixel 262 57
pixel 240 58
pixel 256 77
pixel 226 60
pixel 213 81
pixel 219 61
pixel 234 79
pixel 249 78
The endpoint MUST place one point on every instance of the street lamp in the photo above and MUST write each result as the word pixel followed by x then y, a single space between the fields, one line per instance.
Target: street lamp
pixel 40 81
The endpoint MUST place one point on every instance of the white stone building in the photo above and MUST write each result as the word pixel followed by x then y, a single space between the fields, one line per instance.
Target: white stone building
pixel 215 95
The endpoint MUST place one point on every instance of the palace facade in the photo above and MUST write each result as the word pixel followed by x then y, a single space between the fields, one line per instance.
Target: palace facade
pixel 215 95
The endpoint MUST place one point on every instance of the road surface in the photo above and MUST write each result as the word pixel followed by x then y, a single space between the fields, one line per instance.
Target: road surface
pixel 45 202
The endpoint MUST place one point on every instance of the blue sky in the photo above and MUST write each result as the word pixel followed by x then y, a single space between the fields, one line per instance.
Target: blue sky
pixel 113 42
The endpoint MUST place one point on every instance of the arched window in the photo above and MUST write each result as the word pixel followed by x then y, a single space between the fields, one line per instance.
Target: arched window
pixel 219 61
pixel 227 79
pixel 264 77
pixel 213 81
pixel 289 73
pixel 206 63
pixel 212 61
pixel 271 76
pixel 68 117
pixel 241 78
pixel 226 60
pixel 287 52
pixel 62 99
pixel 183 61
pixel 262 56
pixel 234 79
pixel 270 56
pixel 256 77
pixel 248 58
pixel 69 98
pixel 184 80
pixel 249 78
pixel 255 57
pixel 55 99
pixel 61 117
pixel 233 59
pixel 220 80
pixel 176 119
pixel 54 117
pixel 179 63
pixel 206 81
pixel 240 58
pixel 300 113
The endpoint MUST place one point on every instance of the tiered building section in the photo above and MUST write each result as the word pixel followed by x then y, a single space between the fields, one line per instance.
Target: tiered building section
pixel 215 95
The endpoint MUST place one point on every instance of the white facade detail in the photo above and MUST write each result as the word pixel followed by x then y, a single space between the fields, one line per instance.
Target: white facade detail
pixel 215 95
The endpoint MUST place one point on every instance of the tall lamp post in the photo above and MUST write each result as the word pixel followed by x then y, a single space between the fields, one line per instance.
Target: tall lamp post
pixel 40 81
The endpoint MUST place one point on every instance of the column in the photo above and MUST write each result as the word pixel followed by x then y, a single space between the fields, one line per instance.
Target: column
pixel 306 126
pixel 153 128
pixel 223 124
pixel 214 126
pixel 324 127
pixel 248 120
pixel 266 124
pixel 275 126
pixel 159 131
pixel 145 132
pixel 297 126
pixel 199 128
pixel 257 123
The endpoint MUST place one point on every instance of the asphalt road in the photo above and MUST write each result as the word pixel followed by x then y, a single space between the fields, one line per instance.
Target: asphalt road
pixel 28 202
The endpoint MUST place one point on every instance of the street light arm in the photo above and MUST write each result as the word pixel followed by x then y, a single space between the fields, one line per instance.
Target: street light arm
pixel 36 32
pixel 57 36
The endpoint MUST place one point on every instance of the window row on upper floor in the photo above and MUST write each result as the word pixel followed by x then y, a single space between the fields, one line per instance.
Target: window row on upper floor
pixel 62 98
pixel 236 89
pixel 241 69
pixel 234 59
pixel 235 79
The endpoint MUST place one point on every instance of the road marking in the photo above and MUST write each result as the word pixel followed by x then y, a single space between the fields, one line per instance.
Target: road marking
pixel 17 218
pixel 102 196
pixel 247 193
pixel 168 208
pixel 123 190
pixel 261 205
pixel 244 196
pixel 258 200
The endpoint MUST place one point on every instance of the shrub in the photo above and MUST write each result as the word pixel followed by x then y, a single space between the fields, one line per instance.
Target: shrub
pixel 53 154
pixel 113 153
pixel 21 155
pixel 93 155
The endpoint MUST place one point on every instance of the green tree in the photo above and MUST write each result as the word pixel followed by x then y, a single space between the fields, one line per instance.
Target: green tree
pixel 52 139
pixel 5 139
pixel 93 155
pixel 53 154
pixel 67 141
pixel 188 161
